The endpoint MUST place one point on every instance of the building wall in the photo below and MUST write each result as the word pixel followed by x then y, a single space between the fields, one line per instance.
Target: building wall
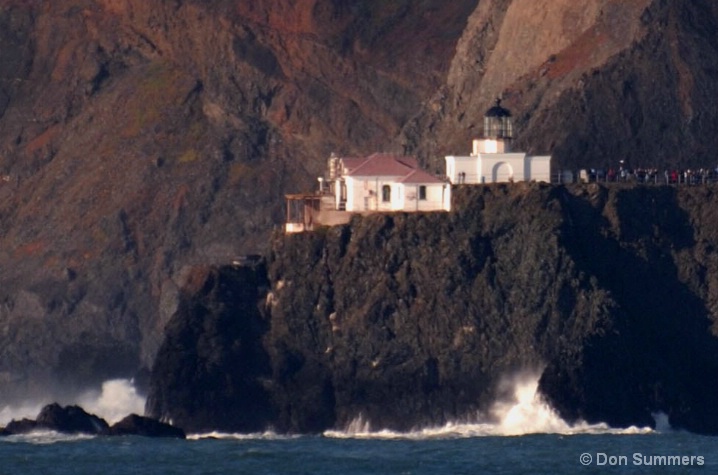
pixel 540 167
pixel 365 193
pixel 438 197
pixel 456 165
pixel 497 168
pixel 502 167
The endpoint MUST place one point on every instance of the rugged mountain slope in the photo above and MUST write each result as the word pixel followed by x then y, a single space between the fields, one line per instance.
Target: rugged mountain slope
pixel 594 83
pixel 413 320
pixel 138 139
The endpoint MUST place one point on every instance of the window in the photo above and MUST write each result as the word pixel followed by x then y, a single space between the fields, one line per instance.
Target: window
pixel 422 192
pixel 386 193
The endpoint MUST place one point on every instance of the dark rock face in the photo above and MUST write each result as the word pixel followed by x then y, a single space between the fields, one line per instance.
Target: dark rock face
pixel 67 420
pixel 412 320
pixel 145 427
pixel 70 419
pixel 22 426
pixel 139 140
pixel 74 420
pixel 652 250
pixel 211 369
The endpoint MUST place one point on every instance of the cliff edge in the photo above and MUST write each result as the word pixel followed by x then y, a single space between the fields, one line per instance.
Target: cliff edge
pixel 412 320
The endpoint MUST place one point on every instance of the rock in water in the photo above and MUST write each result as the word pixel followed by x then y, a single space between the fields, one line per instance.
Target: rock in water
pixel 70 419
pixel 146 427
pixel 22 426
pixel 210 370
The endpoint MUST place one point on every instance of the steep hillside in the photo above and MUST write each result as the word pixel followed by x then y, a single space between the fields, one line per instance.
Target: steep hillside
pixel 410 320
pixel 592 82
pixel 137 138
pixel 141 139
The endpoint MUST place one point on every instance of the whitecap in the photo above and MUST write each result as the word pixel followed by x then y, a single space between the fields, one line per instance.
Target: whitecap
pixel 524 412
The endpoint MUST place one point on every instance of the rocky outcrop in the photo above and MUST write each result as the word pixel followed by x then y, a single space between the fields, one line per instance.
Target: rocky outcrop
pixel 651 249
pixel 145 427
pixel 409 320
pixel 214 342
pixel 141 140
pixel 74 420
pixel 66 420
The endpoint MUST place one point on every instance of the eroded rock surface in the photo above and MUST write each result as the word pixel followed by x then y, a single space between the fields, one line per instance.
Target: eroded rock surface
pixel 140 140
pixel 412 320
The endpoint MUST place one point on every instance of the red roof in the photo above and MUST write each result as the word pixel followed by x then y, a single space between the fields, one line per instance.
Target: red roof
pixel 420 177
pixel 351 163
pixel 382 164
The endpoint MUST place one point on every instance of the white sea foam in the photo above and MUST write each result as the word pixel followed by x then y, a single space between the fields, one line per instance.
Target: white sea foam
pixel 525 412
pixel 117 399
pixel 662 423
pixel 268 435
pixel 44 437
pixel 24 411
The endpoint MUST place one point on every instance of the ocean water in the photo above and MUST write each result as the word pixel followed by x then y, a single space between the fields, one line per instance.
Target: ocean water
pixel 518 436
pixel 316 455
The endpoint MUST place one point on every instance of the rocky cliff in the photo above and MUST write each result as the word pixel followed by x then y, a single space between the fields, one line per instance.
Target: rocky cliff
pixel 409 320
pixel 139 139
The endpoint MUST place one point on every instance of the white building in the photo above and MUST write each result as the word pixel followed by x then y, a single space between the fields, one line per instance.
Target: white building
pixel 492 160
pixel 385 182
pixel 377 183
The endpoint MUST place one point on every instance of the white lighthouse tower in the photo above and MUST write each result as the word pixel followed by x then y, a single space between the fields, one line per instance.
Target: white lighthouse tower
pixel 492 159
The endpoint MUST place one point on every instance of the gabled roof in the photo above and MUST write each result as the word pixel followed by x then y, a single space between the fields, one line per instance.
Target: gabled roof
pixel 381 164
pixel 351 163
pixel 420 177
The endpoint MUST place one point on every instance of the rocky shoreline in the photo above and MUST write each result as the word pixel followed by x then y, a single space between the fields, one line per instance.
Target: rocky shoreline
pixel 75 420
pixel 140 141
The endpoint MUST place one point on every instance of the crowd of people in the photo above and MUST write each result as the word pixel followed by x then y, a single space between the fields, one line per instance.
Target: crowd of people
pixel 640 175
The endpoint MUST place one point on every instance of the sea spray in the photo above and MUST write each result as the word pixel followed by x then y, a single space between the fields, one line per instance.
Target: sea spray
pixel 14 412
pixel 520 411
pixel 662 422
pixel 117 399
pixel 525 411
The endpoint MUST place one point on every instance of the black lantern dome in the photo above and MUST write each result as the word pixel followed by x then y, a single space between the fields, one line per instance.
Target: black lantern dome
pixel 497 123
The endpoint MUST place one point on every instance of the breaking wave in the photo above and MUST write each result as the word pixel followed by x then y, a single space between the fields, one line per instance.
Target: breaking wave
pixel 116 399
pixel 24 411
pixel 45 437
pixel 268 435
pixel 523 413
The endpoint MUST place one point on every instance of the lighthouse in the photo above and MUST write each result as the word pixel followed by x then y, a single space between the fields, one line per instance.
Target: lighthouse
pixel 498 131
pixel 493 160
